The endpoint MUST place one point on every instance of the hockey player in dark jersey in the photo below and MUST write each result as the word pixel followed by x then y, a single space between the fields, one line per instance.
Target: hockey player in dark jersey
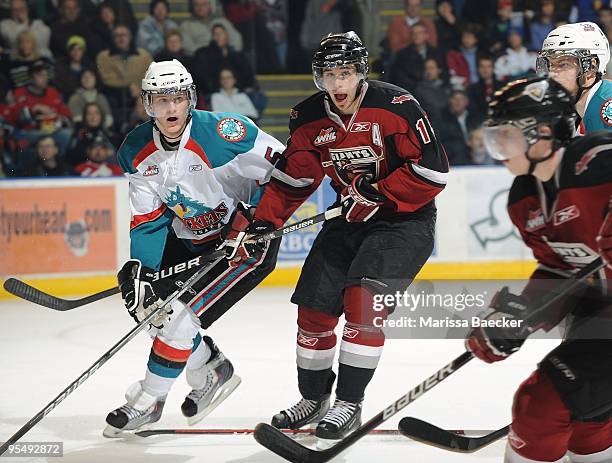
pixel 385 162
pixel 560 203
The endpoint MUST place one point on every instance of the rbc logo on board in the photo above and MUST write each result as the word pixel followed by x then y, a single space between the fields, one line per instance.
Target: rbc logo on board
pixel 295 245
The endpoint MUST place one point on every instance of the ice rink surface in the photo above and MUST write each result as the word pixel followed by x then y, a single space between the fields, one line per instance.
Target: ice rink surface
pixel 43 351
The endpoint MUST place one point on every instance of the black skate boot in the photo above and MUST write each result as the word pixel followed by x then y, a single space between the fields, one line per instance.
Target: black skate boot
pixel 303 413
pixel 219 382
pixel 141 408
pixel 341 419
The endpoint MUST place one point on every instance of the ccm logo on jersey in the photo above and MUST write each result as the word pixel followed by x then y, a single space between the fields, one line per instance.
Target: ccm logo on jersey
pixel 325 136
pixel 565 215
pixel 361 126
pixel 535 220
pixel 195 167
pixel 151 170
pixel 400 99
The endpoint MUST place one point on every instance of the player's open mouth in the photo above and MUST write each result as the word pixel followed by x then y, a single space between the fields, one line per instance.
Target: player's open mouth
pixel 172 119
pixel 340 96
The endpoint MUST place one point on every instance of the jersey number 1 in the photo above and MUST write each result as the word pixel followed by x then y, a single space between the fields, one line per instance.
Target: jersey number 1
pixel 420 126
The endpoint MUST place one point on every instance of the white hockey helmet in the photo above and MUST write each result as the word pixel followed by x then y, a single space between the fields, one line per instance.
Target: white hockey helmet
pixel 583 40
pixel 167 78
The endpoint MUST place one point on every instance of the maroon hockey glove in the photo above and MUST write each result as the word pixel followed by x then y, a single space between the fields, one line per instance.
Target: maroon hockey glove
pixel 360 200
pixel 240 234
pixel 500 332
pixel 604 237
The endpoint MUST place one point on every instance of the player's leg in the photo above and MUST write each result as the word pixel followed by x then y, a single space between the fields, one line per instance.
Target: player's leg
pixel 541 423
pixel 318 295
pixel 390 255
pixel 591 442
pixel 212 376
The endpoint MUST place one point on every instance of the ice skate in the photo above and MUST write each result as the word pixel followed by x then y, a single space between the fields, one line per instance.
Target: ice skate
pixel 219 382
pixel 341 420
pixel 141 409
pixel 303 413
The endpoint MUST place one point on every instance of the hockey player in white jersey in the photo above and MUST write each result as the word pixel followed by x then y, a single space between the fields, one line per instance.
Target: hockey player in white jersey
pixel 576 56
pixel 189 172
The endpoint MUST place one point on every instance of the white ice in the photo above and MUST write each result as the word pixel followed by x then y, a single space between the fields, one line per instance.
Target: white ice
pixel 43 351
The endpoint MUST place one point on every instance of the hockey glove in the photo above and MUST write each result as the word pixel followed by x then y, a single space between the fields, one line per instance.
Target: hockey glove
pixel 138 294
pixel 360 200
pixel 240 234
pixel 497 338
pixel 604 237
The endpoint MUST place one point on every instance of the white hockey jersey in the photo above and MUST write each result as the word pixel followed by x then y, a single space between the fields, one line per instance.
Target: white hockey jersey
pixel 222 159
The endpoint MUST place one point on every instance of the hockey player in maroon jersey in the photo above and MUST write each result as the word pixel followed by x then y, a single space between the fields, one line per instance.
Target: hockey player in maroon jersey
pixel 560 202
pixel 376 144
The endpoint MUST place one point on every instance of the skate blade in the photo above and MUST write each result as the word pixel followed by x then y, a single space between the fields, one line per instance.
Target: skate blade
pixel 222 394
pixel 112 432
pixel 324 444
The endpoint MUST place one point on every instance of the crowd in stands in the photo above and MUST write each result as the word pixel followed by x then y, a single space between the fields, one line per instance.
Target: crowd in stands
pixel 70 70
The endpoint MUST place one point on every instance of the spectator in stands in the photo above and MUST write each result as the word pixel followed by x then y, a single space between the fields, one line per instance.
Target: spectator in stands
pixel 321 18
pixel 478 152
pixel 48 160
pixel 86 94
pixel 20 21
pixel 462 61
pixel 477 12
pixel 230 99
pixel 433 91
pixel 499 29
pixel 604 20
pixel 399 34
pixel 121 67
pixel 543 23
pixel 109 14
pixel 137 116
pixel 174 49
pixel 481 92
pixel 98 164
pixel 457 122
pixel 447 26
pixel 275 17
pixel 408 65
pixel 209 61
pixel 152 29
pixel 69 23
pixel 68 70
pixel 23 56
pixel 38 109
pixel 90 127
pixel 517 61
pixel 197 30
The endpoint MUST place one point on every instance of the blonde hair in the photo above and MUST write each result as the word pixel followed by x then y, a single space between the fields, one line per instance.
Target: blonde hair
pixel 16 52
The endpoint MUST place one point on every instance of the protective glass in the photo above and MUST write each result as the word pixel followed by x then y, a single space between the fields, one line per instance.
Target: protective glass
pixel 504 141
pixel 163 104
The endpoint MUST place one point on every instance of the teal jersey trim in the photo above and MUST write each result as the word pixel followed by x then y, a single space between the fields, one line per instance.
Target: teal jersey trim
pixel 133 144
pixel 147 240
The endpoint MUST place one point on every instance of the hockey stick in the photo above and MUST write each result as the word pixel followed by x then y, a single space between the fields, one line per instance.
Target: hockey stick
pixel 246 431
pixel 24 291
pixel 106 356
pixel 293 451
pixel 427 433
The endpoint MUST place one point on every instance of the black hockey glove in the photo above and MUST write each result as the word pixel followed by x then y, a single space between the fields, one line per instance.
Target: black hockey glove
pixel 138 293
pixel 240 234
pixel 501 331
pixel 360 200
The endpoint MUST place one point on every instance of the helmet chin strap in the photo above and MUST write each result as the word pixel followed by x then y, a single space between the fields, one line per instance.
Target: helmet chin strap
pixel 168 139
pixel 581 88
pixel 533 163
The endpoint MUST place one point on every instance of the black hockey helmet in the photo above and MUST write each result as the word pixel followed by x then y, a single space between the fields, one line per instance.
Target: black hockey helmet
pixel 339 50
pixel 519 108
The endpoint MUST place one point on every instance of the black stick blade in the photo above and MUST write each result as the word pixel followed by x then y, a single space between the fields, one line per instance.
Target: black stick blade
pixel 29 293
pixel 281 444
pixel 427 433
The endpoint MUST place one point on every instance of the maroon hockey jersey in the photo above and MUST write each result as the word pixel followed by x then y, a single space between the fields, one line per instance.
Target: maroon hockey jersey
pixel 560 219
pixel 389 137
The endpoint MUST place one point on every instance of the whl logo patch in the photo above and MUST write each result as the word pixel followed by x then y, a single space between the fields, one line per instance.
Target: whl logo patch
pixel 151 170
pixel 535 220
pixel 325 136
pixel 400 99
